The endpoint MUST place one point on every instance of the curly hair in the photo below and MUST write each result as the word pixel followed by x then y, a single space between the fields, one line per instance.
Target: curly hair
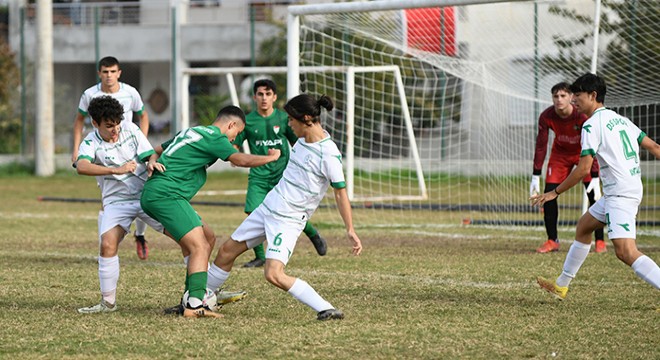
pixel 106 108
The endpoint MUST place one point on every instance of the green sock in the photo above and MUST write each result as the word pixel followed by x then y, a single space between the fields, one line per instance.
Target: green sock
pixel 197 284
pixel 186 282
pixel 259 252
pixel 310 230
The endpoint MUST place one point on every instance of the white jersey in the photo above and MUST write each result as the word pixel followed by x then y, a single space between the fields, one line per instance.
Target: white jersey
pixel 614 140
pixel 131 145
pixel 127 96
pixel 311 169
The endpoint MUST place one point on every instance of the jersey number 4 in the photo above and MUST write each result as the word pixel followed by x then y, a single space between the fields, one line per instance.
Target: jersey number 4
pixel 628 150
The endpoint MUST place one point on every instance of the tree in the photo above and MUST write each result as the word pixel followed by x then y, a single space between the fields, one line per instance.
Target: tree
pixel 10 125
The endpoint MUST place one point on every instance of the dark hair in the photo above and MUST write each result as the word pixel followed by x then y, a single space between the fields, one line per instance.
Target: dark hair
pixel 589 83
pixel 306 105
pixel 560 86
pixel 229 111
pixel 267 83
pixel 108 61
pixel 106 108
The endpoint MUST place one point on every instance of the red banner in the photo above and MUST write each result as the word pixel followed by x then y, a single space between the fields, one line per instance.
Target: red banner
pixel 432 30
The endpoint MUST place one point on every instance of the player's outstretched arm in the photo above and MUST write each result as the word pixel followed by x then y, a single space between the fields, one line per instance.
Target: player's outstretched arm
pixel 651 146
pixel 249 160
pixel 85 167
pixel 344 206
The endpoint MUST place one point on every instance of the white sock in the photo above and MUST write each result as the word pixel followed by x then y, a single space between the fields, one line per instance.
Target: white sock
pixel 186 259
pixel 574 259
pixel 140 227
pixel 216 277
pixel 108 277
pixel 647 270
pixel 304 293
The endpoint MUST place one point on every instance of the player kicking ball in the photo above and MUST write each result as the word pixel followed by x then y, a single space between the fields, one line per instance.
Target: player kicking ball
pixel 315 164
pixel 180 172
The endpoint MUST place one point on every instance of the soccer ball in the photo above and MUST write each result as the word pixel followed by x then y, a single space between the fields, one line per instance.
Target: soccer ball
pixel 210 300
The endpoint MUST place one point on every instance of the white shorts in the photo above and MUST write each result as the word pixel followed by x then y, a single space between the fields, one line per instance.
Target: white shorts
pixel 123 214
pixel 619 214
pixel 280 233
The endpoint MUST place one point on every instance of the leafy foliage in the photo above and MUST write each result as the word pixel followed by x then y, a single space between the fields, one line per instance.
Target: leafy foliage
pixel 631 58
pixel 10 125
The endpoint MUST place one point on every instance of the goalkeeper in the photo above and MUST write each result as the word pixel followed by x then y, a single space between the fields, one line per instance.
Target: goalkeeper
pixel 268 128
pixel 566 123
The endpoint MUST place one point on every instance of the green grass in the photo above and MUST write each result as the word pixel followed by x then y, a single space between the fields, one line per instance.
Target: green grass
pixel 418 291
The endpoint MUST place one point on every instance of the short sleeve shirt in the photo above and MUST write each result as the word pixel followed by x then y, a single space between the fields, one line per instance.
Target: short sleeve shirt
pixel 614 140
pixel 186 158
pixel 128 97
pixel 264 133
pixel 131 145
pixel 311 169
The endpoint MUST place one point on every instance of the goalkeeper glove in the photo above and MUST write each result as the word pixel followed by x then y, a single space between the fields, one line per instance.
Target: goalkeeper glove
pixel 594 185
pixel 534 186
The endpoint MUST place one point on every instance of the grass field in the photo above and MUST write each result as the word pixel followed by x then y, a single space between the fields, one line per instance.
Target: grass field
pixel 417 292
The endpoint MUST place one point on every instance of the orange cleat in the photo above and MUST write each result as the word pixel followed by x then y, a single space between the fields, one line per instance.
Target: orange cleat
pixel 600 246
pixel 548 246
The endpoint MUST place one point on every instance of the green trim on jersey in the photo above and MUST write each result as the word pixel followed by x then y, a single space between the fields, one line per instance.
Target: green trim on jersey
pixel 80 157
pixel 262 134
pixel 586 152
pixel 338 185
pixel 145 155
pixel 641 137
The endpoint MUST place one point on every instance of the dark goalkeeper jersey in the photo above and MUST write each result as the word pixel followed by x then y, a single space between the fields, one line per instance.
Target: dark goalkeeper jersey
pixel 567 137
pixel 263 133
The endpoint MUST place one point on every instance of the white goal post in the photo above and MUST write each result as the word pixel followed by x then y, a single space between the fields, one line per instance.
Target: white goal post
pixel 476 75
pixel 349 72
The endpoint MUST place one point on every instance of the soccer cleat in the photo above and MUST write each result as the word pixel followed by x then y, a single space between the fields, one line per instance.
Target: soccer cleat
pixel 550 286
pixel 174 310
pixel 548 246
pixel 200 312
pixel 141 247
pixel 226 297
pixel 102 307
pixel 330 314
pixel 255 263
pixel 319 244
pixel 600 246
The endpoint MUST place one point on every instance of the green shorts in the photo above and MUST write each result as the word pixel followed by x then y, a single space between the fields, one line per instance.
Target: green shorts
pixel 175 214
pixel 256 193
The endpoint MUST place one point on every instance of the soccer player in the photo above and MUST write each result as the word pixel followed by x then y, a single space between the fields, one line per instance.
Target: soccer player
pixel 314 165
pixel 565 121
pixel 268 128
pixel 180 173
pixel 109 73
pixel 115 152
pixel 615 141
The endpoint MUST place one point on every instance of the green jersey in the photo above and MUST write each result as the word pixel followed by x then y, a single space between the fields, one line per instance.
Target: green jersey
pixel 186 157
pixel 263 133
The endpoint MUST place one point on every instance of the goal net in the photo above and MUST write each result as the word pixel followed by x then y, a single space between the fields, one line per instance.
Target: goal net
pixel 476 76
